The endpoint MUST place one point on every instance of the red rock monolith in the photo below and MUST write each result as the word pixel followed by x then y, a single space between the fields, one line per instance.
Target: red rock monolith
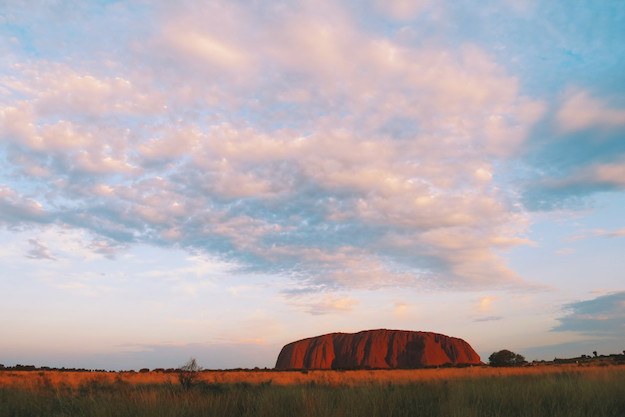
pixel 377 349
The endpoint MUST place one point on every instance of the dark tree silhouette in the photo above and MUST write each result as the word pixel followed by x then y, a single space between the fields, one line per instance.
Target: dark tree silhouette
pixel 506 358
pixel 189 373
pixel 594 353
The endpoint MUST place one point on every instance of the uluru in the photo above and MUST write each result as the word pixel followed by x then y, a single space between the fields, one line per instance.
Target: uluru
pixel 377 349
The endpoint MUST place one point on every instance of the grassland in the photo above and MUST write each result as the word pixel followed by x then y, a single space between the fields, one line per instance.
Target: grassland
pixel 481 391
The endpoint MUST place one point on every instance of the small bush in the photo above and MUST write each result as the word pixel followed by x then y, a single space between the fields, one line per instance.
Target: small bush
pixel 189 373
pixel 506 358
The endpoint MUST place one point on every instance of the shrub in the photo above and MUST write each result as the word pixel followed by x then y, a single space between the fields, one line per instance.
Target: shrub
pixel 506 358
pixel 188 374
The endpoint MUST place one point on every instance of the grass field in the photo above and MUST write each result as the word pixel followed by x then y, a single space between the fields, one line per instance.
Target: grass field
pixel 481 391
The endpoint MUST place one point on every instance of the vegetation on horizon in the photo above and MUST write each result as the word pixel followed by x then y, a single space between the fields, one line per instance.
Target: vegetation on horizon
pixel 506 358
pixel 500 358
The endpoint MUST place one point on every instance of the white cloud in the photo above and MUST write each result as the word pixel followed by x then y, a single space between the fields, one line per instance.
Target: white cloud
pixel 68 91
pixel 56 89
pixel 205 48
pixel 73 123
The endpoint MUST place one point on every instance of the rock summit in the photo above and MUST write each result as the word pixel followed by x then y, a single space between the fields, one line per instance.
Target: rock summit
pixel 377 349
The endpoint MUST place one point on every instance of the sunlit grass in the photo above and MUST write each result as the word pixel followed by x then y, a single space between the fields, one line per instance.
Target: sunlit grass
pixel 597 392
pixel 30 379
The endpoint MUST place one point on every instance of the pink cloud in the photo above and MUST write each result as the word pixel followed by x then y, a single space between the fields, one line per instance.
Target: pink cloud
pixel 580 110
pixel 402 9
pixel 189 165
pixel 17 208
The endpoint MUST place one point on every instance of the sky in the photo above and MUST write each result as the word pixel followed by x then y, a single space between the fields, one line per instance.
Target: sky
pixel 216 179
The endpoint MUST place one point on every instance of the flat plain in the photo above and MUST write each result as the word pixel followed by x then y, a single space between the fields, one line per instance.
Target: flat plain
pixel 475 391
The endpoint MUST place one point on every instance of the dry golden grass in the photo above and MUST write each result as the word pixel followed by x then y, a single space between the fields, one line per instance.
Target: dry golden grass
pixel 35 379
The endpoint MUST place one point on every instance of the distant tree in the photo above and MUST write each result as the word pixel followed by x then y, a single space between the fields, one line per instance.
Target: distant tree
pixel 594 353
pixel 506 358
pixel 189 373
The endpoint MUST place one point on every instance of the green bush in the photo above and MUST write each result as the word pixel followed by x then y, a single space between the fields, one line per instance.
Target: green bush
pixel 506 358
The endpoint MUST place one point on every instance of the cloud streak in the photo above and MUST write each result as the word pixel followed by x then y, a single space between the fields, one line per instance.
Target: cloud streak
pixel 582 111
pixel 601 316
pixel 39 250
pixel 584 154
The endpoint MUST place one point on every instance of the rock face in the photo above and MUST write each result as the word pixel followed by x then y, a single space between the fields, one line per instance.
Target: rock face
pixel 376 349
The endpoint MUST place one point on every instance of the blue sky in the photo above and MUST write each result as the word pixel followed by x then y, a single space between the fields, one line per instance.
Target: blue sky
pixel 218 179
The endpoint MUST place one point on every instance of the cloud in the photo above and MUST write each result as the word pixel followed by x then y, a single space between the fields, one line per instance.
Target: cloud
pixel 325 304
pixel 572 189
pixel 565 252
pixel 107 248
pixel 402 9
pixel 17 209
pixel 485 304
pixel 583 155
pixel 601 316
pixel 485 309
pixel 609 174
pixel 487 319
pixel 38 250
pixel 611 233
pixel 202 47
pixel 600 233
pixel 293 142
pixel 606 176
pixel 60 121
pixel 580 110
pixel 401 309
